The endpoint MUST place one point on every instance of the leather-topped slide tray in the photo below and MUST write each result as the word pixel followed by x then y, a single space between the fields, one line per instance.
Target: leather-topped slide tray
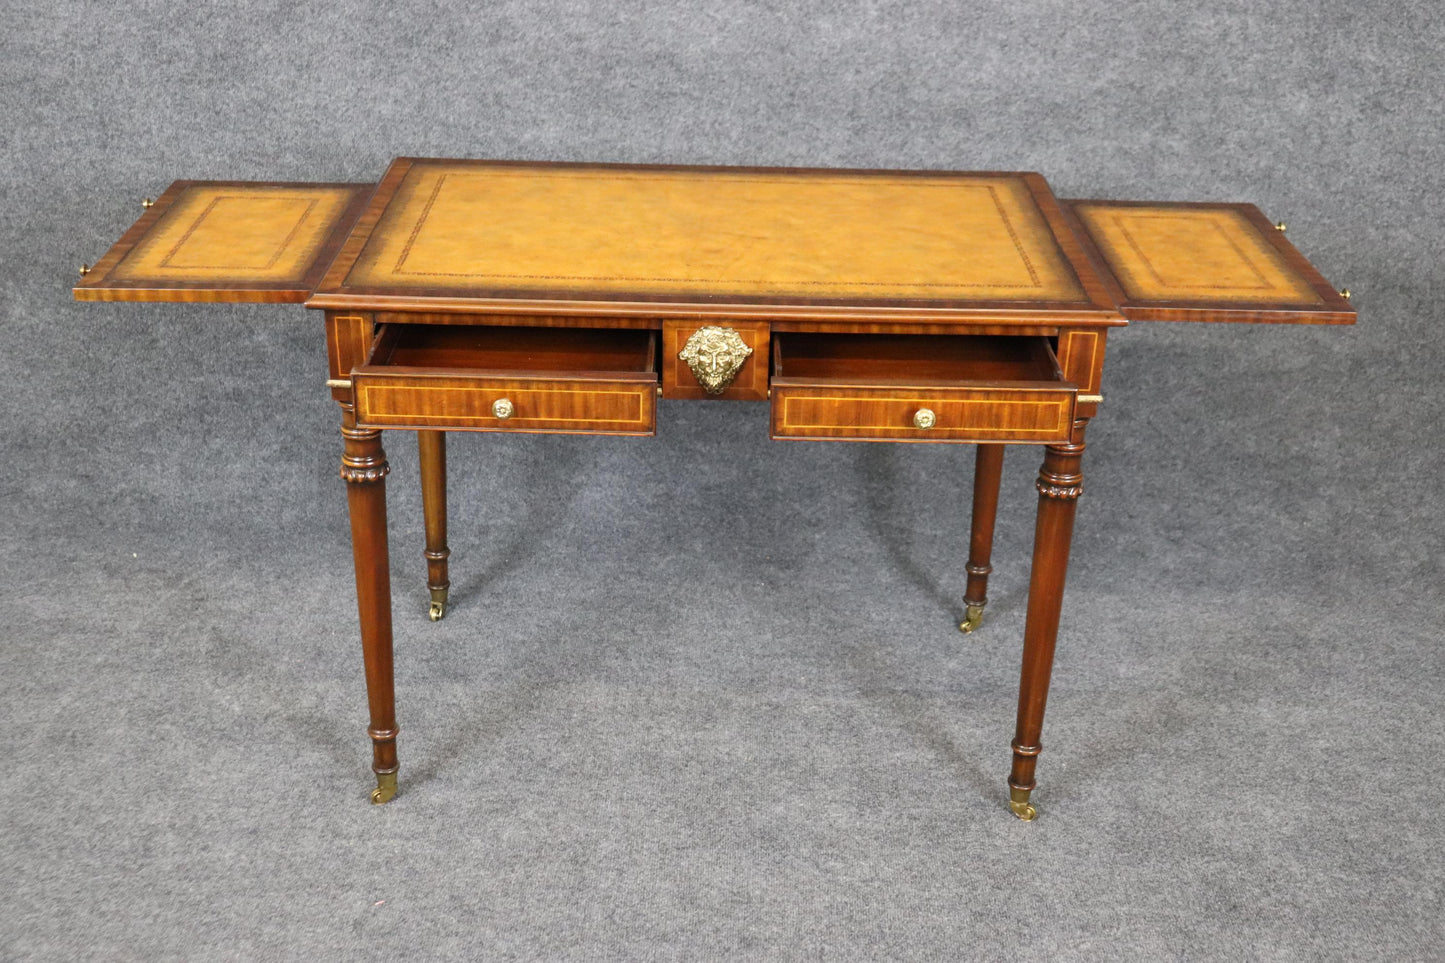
pixel 701 242
pixel 1189 261
pixel 228 241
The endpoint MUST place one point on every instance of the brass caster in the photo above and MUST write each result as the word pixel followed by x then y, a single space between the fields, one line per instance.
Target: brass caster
pixel 972 618
pixel 385 788
pixel 438 606
pixel 1019 805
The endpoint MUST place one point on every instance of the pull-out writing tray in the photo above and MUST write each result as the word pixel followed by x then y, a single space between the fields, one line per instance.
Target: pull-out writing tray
pixel 1203 262
pixel 228 241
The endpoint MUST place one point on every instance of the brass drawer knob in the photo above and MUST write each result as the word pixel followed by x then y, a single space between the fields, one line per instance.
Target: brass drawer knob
pixel 924 418
pixel 502 408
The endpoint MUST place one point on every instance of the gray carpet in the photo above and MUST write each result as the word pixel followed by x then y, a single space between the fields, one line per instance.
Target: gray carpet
pixel 701 697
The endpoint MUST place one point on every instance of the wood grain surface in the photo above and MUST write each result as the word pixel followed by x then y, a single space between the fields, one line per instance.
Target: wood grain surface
pixel 751 383
pixel 870 388
pixel 448 376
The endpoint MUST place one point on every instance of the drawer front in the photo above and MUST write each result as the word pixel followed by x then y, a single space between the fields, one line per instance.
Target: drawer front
pixel 421 400
pixel 982 414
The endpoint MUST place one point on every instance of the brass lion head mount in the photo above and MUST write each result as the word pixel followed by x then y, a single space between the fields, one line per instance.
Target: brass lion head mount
pixel 716 355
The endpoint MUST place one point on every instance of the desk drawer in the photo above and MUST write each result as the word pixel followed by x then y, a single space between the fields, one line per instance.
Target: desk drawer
pixel 960 388
pixel 509 379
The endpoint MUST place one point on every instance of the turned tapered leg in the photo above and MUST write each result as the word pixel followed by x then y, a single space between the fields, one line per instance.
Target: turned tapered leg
pixel 987 471
pixel 1060 484
pixel 363 466
pixel 433 448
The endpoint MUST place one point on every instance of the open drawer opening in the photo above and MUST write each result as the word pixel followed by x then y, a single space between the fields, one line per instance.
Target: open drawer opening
pixel 914 359
pixel 505 378
pixel 965 388
pixel 616 354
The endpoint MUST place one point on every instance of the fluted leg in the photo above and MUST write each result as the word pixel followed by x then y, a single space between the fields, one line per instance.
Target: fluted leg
pixel 363 466
pixel 987 471
pixel 432 446
pixel 1060 484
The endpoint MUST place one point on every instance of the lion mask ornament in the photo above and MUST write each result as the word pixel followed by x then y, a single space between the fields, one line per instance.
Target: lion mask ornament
pixel 715 355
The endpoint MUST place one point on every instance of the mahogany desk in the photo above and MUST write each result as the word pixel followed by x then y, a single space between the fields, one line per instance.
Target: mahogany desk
pixel 904 306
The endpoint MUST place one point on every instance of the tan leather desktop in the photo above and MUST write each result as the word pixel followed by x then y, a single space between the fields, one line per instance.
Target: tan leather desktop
pixel 911 306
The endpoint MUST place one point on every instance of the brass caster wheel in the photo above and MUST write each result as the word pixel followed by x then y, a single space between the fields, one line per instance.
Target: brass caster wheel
pixel 972 618
pixel 438 606
pixel 385 788
pixel 1019 805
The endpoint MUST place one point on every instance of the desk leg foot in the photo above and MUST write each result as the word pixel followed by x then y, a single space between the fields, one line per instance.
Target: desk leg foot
pixel 432 447
pixel 1060 483
pixel 972 618
pixel 1019 805
pixel 385 788
pixel 987 473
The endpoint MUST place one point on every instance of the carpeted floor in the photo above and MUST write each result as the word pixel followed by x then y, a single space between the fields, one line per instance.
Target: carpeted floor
pixel 701 696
